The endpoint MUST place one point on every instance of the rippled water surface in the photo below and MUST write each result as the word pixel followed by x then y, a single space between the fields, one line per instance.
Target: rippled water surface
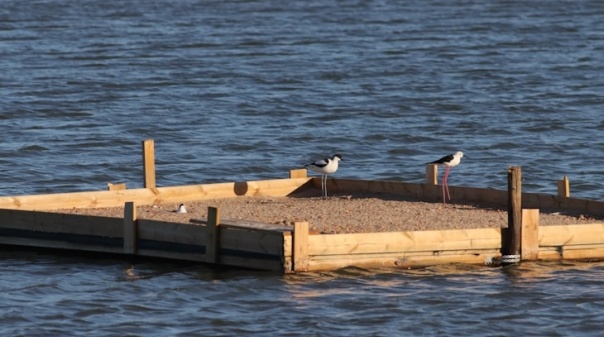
pixel 245 90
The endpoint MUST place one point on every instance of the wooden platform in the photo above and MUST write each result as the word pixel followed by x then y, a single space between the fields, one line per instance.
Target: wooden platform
pixel 25 221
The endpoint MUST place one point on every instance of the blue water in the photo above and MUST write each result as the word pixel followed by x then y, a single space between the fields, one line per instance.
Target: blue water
pixel 245 90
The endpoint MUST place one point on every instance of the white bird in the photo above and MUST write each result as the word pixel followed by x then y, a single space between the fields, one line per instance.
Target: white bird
pixel 181 209
pixel 325 167
pixel 449 161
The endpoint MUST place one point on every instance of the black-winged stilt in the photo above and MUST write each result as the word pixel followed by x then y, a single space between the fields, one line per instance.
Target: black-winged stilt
pixel 325 166
pixel 449 161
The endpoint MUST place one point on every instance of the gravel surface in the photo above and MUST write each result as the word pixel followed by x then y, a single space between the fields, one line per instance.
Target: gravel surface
pixel 343 213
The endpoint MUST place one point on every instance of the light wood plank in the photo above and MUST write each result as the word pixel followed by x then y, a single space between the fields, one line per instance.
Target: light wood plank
pixel 300 248
pixel 370 243
pixel 530 234
pixel 149 163
pixel 571 235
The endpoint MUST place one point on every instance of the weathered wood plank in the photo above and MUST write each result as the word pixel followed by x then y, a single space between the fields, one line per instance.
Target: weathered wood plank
pixel 369 243
pixel 407 260
pixel 171 232
pixel 61 223
pixel 250 240
pixel 530 234
pixel 300 248
pixel 555 236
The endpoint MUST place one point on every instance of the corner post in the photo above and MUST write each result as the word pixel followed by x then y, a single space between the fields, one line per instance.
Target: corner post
pixel 511 237
pixel 529 247
pixel 300 249
pixel 213 232
pixel 149 163
pixel 130 228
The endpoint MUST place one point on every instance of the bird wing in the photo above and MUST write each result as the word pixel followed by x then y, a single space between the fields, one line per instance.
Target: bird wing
pixel 319 163
pixel 445 159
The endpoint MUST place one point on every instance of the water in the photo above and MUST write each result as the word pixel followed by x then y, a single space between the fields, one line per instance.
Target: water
pixel 245 90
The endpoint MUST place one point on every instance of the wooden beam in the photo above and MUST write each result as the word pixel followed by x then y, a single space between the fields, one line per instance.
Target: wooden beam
pixel 149 163
pixel 530 234
pixel 130 228
pixel 404 242
pixel 431 174
pixel 574 235
pixel 564 187
pixel 212 242
pixel 511 238
pixel 300 249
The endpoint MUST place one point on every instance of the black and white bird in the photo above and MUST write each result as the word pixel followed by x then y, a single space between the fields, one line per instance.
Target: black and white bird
pixel 449 161
pixel 325 167
pixel 181 209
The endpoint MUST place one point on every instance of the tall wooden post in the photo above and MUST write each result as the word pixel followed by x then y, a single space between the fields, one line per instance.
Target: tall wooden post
pixel 512 236
pixel 149 163
pixel 130 228
pixel 212 239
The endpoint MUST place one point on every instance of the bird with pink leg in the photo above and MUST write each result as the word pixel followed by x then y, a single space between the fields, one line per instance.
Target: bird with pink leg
pixel 448 162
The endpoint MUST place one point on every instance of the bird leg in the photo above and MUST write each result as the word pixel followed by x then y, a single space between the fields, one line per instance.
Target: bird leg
pixel 446 185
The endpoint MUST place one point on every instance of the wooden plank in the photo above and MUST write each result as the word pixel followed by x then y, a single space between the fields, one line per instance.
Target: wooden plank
pixel 300 246
pixel 149 163
pixel 245 224
pixel 250 240
pixel 174 255
pixel 130 228
pixel 555 236
pixel 408 260
pixel 530 234
pixel 251 263
pixel 172 232
pixel 396 242
pixel 144 196
pixel 57 244
pixel 212 235
pixel 61 223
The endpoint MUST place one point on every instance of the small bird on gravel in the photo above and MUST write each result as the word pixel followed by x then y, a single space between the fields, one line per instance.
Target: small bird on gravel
pixel 449 161
pixel 325 167
pixel 181 209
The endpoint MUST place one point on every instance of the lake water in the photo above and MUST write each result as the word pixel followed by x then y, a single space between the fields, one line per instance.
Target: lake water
pixel 246 90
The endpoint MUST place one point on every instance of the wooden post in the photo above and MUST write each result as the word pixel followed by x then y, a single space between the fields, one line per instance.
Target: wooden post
pixel 130 228
pixel 149 163
pixel 432 174
pixel 511 237
pixel 212 240
pixel 298 173
pixel 564 188
pixel 300 250
pixel 529 247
